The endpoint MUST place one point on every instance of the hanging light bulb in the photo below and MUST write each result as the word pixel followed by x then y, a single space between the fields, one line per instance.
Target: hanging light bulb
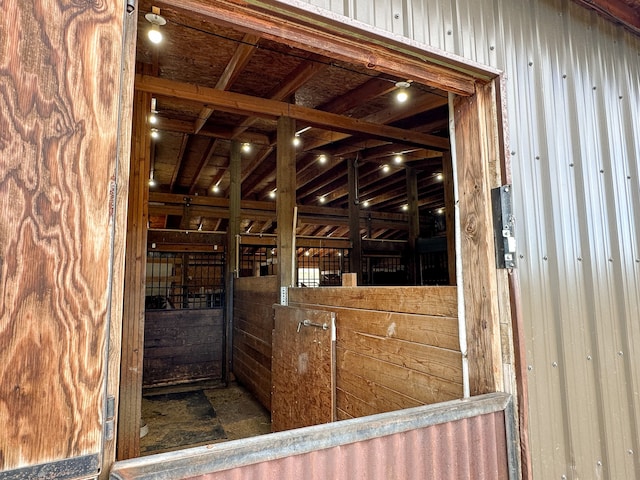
pixel 322 159
pixel 297 141
pixel 386 168
pixel 246 147
pixel 402 95
pixel 397 159
pixel 156 20
pixel 154 133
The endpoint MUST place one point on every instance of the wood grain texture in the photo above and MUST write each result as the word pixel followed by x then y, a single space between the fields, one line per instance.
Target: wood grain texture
pixel 253 299
pixel 131 367
pixel 437 301
pixel 302 369
pixel 388 359
pixel 476 161
pixel 182 346
pixel 59 85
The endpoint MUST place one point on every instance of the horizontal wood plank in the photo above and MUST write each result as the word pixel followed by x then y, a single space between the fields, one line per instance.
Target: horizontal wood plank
pixel 419 386
pixel 438 362
pixel 437 301
pixel 377 398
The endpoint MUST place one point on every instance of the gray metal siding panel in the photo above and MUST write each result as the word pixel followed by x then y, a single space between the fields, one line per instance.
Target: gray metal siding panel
pixel 573 102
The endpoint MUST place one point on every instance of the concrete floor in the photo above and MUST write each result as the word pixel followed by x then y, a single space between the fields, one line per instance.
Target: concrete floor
pixel 236 411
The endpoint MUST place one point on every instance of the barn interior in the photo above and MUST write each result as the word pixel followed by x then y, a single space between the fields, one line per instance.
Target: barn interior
pixel 372 203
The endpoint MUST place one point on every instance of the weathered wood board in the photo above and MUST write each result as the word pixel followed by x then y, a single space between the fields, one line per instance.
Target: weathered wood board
pixel 392 352
pixel 253 299
pixel 303 368
pixel 182 346
pixel 59 115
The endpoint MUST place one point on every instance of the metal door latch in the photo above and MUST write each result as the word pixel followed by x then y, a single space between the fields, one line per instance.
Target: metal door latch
pixel 309 323
pixel 504 227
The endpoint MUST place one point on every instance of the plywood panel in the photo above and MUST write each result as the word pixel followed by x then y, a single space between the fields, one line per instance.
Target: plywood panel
pixel 303 369
pixel 439 301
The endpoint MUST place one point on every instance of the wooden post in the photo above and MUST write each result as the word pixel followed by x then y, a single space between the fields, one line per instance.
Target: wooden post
pixel 449 212
pixel 134 284
pixel 349 280
pixel 414 222
pixel 476 154
pixel 355 259
pixel 120 237
pixel 235 172
pixel 286 200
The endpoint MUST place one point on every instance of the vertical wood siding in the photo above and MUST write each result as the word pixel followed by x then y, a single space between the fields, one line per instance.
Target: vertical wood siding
pixel 572 83
pixel 59 96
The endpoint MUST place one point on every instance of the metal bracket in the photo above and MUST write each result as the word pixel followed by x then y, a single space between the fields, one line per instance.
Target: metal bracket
pixel 504 227
pixel 284 296
pixel 309 323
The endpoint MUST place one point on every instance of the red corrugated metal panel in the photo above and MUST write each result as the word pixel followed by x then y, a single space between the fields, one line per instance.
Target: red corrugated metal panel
pixel 462 439
pixel 473 448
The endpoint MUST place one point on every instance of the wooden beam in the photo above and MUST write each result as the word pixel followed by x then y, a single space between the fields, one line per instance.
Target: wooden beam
pixel 449 212
pixel 285 201
pixel 394 113
pixel 245 104
pixel 425 65
pixel 414 221
pixel 134 296
pixel 204 161
pixel 238 61
pixel 476 149
pixel 355 258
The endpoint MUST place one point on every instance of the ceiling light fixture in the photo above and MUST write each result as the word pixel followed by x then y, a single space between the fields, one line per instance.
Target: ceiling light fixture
pixel 322 158
pixel 439 177
pixel 402 95
pixel 154 133
pixel 297 141
pixel 246 147
pixel 386 168
pixel 272 193
pixel 322 199
pixel 405 208
pixel 397 159
pixel 152 182
pixel 365 204
pixel 216 188
pixel 156 21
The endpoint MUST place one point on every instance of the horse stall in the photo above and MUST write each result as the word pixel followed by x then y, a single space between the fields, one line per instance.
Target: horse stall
pixel 335 353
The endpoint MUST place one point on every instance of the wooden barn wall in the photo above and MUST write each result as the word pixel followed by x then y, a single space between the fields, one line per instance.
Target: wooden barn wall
pixel 571 80
pixel 395 347
pixel 61 202
pixel 253 317
pixel 182 346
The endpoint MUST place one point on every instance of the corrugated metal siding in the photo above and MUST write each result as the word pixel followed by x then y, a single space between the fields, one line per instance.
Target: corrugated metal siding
pixel 462 439
pixel 573 95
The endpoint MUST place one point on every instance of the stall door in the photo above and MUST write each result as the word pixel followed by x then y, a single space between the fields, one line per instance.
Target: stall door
pixel 303 368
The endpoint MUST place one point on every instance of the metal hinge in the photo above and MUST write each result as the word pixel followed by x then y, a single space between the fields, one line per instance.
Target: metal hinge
pixel 110 413
pixel 504 227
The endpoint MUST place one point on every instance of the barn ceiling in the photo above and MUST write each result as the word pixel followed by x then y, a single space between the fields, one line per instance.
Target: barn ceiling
pixel 190 157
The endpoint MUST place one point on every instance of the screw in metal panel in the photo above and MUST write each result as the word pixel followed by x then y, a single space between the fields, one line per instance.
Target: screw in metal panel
pixel 531 64
pixel 619 97
pixel 449 32
pixel 594 87
pixel 611 259
pixel 554 364
pixel 630 452
pixel 513 152
pixel 537 157
pixel 588 357
pixel 571 164
pixel 521 256
pixel 529 367
pixel 396 16
pixel 563 477
pixel 620 353
pixel 599 463
pixel 492 47
pixel 579 259
pixel 564 75
pixel 545 258
pixel 628 177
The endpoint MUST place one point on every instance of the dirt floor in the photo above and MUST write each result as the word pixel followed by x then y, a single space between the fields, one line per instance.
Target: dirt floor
pixel 191 415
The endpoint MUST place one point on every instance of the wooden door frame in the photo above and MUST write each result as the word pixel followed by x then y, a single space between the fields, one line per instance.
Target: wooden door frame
pixel 479 154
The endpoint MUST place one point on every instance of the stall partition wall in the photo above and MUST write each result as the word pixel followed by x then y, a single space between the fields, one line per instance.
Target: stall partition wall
pixel 396 347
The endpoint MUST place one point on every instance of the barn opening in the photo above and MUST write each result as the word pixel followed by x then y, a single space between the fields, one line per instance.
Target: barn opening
pixel 365 198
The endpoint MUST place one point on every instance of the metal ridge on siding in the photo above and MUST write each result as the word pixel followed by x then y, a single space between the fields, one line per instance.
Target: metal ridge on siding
pixel 465 421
